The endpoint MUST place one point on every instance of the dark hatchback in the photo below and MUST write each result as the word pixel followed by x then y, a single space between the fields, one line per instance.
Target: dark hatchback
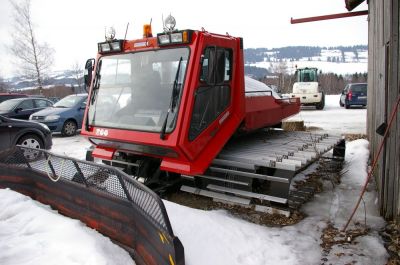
pixel 354 94
pixel 22 108
pixel 25 133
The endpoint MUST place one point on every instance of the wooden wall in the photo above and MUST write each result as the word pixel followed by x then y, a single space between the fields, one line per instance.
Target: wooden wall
pixel 383 92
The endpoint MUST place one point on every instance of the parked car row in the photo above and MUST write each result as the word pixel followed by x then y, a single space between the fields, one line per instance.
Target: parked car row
pixel 65 116
pixel 30 121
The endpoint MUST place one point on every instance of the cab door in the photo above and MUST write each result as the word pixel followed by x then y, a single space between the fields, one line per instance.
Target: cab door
pixel 210 123
pixel 213 94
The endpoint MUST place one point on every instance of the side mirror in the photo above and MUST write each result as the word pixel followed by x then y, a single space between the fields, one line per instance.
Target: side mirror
pixel 89 66
pixel 17 110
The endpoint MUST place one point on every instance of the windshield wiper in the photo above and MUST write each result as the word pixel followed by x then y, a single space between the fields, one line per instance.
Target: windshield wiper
pixel 96 86
pixel 172 103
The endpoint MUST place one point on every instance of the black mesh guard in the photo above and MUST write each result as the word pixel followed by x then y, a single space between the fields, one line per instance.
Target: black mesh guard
pixel 103 178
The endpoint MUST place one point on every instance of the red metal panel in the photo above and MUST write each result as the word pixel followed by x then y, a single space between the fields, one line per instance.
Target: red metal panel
pixel 103 153
pixel 265 111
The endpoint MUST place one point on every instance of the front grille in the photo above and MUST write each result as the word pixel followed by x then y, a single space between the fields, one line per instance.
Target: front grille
pixel 37 118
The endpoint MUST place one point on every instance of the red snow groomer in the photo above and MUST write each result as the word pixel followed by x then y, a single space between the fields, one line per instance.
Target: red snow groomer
pixel 164 107
pixel 174 112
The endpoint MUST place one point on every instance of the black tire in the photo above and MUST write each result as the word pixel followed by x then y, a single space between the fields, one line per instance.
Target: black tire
pixel 347 106
pixel 31 141
pixel 69 128
pixel 340 103
pixel 321 104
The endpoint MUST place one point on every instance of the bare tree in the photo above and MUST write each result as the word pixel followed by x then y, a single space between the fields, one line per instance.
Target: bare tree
pixel 281 70
pixel 35 57
pixel 77 73
pixel 3 85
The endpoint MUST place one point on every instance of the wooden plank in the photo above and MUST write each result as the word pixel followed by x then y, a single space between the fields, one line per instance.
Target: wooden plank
pixel 395 87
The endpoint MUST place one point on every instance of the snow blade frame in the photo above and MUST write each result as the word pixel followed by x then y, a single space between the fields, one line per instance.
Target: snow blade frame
pixel 102 197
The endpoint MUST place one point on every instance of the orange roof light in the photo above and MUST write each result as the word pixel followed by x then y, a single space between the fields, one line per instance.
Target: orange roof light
pixel 147 31
pixel 185 37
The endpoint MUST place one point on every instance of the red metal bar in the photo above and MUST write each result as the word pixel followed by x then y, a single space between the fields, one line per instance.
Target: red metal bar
pixel 326 17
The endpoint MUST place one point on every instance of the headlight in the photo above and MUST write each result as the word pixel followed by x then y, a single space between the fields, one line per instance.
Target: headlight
pixel 45 127
pixel 163 39
pixel 110 46
pixel 176 37
pixel 52 118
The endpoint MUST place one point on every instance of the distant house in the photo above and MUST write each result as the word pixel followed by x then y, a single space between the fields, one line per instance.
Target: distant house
pixel 383 96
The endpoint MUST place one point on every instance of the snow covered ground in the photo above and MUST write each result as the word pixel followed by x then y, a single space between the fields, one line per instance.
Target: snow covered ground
pixel 333 118
pixel 31 233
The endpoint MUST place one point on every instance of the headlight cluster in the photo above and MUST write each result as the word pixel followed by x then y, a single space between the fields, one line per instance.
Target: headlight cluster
pixel 110 46
pixel 52 118
pixel 178 37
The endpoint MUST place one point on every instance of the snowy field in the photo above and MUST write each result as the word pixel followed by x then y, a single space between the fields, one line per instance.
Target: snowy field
pixel 31 233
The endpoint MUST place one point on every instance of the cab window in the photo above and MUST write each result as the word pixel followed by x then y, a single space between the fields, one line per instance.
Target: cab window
pixel 213 95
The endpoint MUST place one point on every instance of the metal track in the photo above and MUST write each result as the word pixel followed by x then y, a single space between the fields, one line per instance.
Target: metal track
pixel 260 168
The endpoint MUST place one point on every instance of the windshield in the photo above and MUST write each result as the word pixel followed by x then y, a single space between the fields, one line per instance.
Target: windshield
pixel 362 88
pixel 69 101
pixel 9 104
pixel 134 91
pixel 307 75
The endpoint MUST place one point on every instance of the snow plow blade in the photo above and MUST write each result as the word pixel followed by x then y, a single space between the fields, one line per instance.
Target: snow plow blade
pixel 102 197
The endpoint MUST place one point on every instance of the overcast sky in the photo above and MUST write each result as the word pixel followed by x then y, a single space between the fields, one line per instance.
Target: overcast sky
pixel 73 27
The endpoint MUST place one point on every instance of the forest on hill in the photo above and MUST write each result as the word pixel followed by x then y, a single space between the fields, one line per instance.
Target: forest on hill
pixel 295 53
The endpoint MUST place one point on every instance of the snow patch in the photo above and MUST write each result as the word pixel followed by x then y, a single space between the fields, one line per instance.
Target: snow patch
pixel 32 233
